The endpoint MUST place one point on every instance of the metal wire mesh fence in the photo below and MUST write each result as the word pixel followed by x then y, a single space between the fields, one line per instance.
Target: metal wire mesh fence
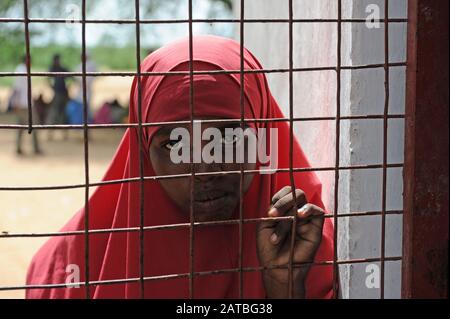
pixel 141 125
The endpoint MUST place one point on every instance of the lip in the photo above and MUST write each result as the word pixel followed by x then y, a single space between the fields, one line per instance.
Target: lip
pixel 212 201
pixel 209 195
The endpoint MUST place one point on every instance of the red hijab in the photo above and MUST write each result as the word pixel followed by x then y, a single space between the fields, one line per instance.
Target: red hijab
pixel 116 255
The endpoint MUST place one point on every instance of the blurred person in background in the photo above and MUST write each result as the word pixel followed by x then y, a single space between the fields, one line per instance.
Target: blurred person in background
pixel 57 114
pixel 41 109
pixel 19 104
pixel 90 67
pixel 111 113
pixel 74 109
pixel 118 112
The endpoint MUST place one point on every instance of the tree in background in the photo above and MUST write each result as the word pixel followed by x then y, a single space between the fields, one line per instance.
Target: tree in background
pixel 12 35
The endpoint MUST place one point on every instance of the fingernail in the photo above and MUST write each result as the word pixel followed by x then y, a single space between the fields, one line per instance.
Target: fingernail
pixel 302 209
pixel 274 238
pixel 273 212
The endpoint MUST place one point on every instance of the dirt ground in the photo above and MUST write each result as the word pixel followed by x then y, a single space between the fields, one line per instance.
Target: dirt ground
pixel 46 211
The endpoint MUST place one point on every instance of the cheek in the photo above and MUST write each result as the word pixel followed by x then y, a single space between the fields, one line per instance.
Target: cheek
pixel 176 188
pixel 163 165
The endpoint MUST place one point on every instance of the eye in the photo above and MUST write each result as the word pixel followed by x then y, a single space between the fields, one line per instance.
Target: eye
pixel 173 144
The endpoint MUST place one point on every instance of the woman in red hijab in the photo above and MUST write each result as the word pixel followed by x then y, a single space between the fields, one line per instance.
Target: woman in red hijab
pixel 116 255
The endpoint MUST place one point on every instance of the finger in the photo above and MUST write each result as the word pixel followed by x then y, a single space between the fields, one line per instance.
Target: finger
pixel 309 237
pixel 281 193
pixel 310 221
pixel 282 229
pixel 270 224
pixel 308 212
pixel 285 203
pixel 284 207
pixel 309 232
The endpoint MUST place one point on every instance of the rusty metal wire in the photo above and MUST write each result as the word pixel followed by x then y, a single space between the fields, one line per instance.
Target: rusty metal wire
pixel 203 273
pixel 178 21
pixel 132 125
pixel 141 160
pixel 86 152
pixel 140 125
pixel 160 177
pixel 187 225
pixel 191 150
pixel 174 73
pixel 241 166
pixel 337 159
pixel 385 146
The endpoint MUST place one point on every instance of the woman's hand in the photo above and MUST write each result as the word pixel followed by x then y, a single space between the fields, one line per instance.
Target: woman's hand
pixel 274 240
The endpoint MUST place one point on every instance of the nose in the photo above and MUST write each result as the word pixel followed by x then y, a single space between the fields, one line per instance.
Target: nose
pixel 206 168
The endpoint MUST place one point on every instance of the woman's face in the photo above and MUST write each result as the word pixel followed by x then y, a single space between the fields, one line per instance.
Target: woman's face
pixel 215 196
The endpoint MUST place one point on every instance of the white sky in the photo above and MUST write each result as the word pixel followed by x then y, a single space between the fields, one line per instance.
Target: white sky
pixel 151 35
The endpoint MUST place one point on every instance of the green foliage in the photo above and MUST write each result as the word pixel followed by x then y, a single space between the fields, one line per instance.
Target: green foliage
pixel 123 58
pixel 12 48
pixel 106 55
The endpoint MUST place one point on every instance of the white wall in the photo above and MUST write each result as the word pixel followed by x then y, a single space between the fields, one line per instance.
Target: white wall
pixel 361 141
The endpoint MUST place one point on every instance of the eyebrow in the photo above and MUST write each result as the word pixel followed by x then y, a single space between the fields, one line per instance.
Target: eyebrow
pixel 166 130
